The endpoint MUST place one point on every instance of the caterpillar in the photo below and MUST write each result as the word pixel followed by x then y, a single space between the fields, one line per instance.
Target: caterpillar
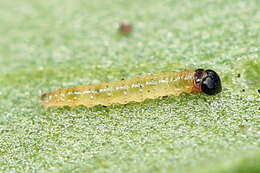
pixel 137 89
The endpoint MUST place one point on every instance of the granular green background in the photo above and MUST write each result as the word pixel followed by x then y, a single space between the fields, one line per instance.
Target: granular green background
pixel 46 45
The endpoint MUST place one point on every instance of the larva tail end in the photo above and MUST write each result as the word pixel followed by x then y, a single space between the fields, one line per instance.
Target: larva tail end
pixel 211 84
pixel 44 98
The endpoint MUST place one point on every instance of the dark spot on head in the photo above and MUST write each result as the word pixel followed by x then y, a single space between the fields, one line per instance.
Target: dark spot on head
pixel 148 91
pixel 198 76
pixel 125 28
pixel 211 84
pixel 243 90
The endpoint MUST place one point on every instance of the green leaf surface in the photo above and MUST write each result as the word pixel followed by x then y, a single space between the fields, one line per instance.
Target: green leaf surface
pixel 46 45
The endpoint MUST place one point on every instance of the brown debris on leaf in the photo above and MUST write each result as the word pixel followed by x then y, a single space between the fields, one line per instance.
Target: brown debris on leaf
pixel 125 29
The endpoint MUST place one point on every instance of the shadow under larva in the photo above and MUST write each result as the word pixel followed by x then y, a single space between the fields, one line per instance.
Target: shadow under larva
pixel 135 90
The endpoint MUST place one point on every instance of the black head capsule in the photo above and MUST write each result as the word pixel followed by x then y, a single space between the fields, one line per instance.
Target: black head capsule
pixel 211 83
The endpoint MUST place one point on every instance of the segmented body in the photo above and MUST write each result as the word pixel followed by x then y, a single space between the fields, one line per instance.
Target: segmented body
pixel 121 92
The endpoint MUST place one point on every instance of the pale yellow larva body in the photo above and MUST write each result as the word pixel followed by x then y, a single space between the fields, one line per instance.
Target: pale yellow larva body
pixel 121 92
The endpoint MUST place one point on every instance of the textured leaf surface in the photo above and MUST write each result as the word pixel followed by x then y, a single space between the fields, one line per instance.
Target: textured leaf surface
pixel 46 45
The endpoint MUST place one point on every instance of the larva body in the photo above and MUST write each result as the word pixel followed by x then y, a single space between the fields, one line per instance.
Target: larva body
pixel 124 91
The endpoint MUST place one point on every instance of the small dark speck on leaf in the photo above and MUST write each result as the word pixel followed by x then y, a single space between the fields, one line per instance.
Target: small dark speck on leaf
pixel 238 75
pixel 243 90
pixel 122 79
pixel 125 29
pixel 258 90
